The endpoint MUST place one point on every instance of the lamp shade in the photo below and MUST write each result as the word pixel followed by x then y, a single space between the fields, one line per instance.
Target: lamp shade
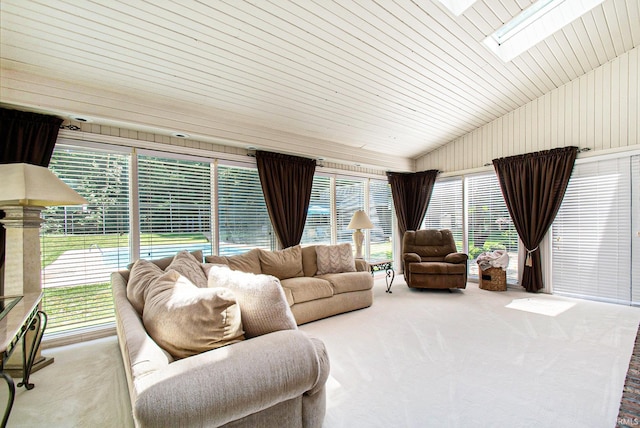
pixel 360 220
pixel 24 184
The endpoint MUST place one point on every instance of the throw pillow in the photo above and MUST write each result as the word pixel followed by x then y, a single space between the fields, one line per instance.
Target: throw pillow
pixel 262 302
pixel 245 262
pixel 187 265
pixel 143 274
pixel 185 320
pixel 164 262
pixel 282 264
pixel 335 259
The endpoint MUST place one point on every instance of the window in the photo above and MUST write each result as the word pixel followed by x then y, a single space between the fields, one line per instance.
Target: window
pixel 380 212
pixel 243 220
pixel 592 233
pixel 175 206
pixel 445 209
pixel 317 229
pixel 81 246
pixel 349 199
pixel 490 226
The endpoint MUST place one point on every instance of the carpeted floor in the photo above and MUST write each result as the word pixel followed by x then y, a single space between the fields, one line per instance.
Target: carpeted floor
pixel 629 414
pixel 413 359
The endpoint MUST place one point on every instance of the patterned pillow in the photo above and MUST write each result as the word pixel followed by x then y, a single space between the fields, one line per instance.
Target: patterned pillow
pixel 187 265
pixel 185 320
pixel 335 259
pixel 263 306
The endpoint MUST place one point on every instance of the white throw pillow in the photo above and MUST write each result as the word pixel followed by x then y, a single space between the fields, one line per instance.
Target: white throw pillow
pixel 262 301
pixel 335 259
pixel 185 320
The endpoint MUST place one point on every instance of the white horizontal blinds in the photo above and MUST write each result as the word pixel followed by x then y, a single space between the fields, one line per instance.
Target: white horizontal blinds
pixel 349 199
pixel 489 225
pixel 317 229
pixel 445 209
pixel 592 233
pixel 380 209
pixel 635 229
pixel 175 206
pixel 243 220
pixel 82 245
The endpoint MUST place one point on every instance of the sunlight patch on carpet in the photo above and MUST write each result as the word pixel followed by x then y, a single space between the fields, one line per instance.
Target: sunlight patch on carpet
pixel 550 308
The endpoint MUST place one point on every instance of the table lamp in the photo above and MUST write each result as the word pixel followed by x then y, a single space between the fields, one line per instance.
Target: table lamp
pixel 359 221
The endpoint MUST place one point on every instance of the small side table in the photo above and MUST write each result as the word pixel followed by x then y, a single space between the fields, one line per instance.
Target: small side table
pixel 387 266
pixel 19 314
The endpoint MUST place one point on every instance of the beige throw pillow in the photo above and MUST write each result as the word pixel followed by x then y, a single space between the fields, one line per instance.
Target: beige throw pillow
pixel 245 262
pixel 262 302
pixel 143 274
pixel 335 259
pixel 187 265
pixel 185 320
pixel 282 264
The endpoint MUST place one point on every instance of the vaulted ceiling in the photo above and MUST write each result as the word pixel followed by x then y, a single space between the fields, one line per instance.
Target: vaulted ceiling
pixel 350 79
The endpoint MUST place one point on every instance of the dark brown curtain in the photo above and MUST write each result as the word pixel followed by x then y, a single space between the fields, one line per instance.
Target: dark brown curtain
pixel 25 138
pixel 533 186
pixel 411 193
pixel 286 184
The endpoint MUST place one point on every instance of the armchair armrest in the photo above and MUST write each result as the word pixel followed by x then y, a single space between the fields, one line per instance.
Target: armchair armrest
pixel 411 258
pixel 234 381
pixel 456 258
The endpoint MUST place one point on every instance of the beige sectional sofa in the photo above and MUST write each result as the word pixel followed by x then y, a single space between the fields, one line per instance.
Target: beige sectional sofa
pixel 254 369
pixel 318 281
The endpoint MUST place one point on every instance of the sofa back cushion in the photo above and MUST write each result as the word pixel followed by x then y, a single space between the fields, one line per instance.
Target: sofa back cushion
pixel 282 264
pixel 261 298
pixel 309 261
pixel 188 266
pixel 164 262
pixel 246 262
pixel 335 259
pixel 143 274
pixel 186 320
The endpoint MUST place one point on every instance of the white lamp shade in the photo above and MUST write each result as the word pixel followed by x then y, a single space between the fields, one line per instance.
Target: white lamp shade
pixel 360 220
pixel 24 184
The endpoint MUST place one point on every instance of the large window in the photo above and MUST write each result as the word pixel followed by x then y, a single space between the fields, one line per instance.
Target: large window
pixel 490 226
pixel 380 212
pixel 317 229
pixel 592 235
pixel 349 199
pixel 242 213
pixel 82 245
pixel 445 209
pixel 175 206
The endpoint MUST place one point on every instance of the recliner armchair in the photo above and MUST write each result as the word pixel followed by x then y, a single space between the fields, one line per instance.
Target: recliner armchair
pixel 431 260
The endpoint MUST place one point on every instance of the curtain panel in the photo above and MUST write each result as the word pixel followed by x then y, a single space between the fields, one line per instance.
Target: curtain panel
pixel 533 186
pixel 411 194
pixel 25 138
pixel 286 184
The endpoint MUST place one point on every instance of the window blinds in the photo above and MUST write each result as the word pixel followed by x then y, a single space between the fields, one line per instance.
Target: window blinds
pixel 592 233
pixel 445 209
pixel 380 214
pixel 317 229
pixel 349 199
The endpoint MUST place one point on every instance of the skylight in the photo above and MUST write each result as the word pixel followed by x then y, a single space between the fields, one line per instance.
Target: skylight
pixel 457 6
pixel 534 24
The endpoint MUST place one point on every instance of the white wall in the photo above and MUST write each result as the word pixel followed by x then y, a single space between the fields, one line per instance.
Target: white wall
pixel 599 110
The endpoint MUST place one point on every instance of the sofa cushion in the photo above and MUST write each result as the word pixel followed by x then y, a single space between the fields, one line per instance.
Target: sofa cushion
pixel 186 320
pixel 349 281
pixel 188 266
pixel 282 264
pixel 163 262
pixel 143 274
pixel 261 299
pixel 304 289
pixel 309 260
pixel 246 262
pixel 335 259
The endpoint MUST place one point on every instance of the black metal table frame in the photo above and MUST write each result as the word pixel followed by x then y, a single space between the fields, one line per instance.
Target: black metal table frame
pixel 387 266
pixel 37 321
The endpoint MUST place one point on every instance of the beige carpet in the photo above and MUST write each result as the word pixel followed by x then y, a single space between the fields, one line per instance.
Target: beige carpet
pixel 414 359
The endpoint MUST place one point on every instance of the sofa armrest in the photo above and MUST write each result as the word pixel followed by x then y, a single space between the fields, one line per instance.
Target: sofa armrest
pixel 456 258
pixel 362 265
pixel 411 258
pixel 232 382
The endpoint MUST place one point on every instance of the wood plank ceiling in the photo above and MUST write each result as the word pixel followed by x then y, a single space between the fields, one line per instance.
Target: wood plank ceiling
pixel 393 77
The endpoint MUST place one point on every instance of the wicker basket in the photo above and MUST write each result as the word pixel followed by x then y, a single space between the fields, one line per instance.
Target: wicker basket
pixel 493 279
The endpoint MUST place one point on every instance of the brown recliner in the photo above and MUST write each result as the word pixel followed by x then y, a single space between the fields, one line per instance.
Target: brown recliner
pixel 431 260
